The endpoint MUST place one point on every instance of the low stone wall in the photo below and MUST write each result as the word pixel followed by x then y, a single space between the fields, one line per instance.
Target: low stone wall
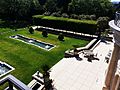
pixel 71 53
pixel 90 46
pixel 65 33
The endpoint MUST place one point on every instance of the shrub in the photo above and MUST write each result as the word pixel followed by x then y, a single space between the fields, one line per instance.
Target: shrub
pixel 61 37
pixel 74 16
pixel 87 17
pixel 45 68
pixel 102 23
pixel 84 17
pixel 47 13
pixel 55 14
pixel 81 17
pixel 81 26
pixel 65 15
pixel 44 33
pixel 46 77
pixel 31 30
pixel 93 17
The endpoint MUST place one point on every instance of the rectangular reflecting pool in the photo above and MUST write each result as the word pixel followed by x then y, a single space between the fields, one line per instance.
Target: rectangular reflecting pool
pixel 5 68
pixel 31 41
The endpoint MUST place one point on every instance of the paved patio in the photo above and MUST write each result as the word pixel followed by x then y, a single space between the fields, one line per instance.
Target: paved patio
pixel 73 74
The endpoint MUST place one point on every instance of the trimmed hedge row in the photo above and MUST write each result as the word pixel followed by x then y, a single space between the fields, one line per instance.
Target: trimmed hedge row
pixel 82 26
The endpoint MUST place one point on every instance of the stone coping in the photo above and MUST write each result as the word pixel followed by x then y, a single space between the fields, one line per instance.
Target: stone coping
pixel 34 40
pixel 113 26
pixel 15 82
pixel 70 53
pixel 64 31
pixel 11 68
pixel 33 83
pixel 38 76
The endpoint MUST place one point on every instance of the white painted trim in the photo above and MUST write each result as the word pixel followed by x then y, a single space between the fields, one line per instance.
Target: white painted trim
pixel 32 43
pixel 113 26
pixel 7 66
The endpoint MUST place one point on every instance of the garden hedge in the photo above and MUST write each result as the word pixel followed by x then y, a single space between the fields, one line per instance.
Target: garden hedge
pixel 82 26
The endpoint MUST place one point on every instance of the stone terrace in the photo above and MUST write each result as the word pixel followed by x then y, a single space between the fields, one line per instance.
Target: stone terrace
pixel 73 74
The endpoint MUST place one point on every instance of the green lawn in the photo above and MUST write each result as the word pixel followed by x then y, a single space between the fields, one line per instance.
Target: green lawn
pixel 4 30
pixel 27 59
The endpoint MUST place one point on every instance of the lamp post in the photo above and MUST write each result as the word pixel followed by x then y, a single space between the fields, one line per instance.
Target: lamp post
pixel 111 77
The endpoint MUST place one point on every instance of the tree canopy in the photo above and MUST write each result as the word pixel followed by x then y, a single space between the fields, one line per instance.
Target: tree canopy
pixel 16 9
pixel 26 8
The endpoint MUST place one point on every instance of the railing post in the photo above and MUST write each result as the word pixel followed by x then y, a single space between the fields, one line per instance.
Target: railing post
pixel 117 19
pixel 111 79
pixel 10 86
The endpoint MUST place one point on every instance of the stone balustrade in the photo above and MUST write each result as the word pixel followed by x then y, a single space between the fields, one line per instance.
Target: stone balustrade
pixel 117 19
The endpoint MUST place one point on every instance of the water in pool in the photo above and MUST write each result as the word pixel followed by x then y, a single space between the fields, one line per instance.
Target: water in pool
pixel 5 68
pixel 40 44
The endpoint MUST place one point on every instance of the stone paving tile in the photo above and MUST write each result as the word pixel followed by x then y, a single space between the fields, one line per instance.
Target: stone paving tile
pixel 71 74
pixel 84 87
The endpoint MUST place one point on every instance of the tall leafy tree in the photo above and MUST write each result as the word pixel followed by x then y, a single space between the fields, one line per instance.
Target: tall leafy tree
pixel 35 8
pixel 73 6
pixel 46 77
pixel 42 2
pixel 50 5
pixel 22 8
pixel 16 9
pixel 102 23
pixel 106 8
pixel 63 4
pixel 98 7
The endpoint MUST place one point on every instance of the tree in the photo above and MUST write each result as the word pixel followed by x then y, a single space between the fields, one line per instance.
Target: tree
pixel 63 5
pixel 102 23
pixel 24 8
pixel 97 7
pixel 50 5
pixel 46 77
pixel 35 8
pixel 73 7
pixel 116 8
pixel 107 8
pixel 42 2
pixel 15 8
pixel 31 30
pixel 18 9
pixel 44 33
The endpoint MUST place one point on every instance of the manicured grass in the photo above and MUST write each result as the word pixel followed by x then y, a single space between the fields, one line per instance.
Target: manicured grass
pixel 4 30
pixel 27 59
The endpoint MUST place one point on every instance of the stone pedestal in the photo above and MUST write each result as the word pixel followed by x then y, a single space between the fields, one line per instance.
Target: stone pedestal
pixel 112 68
pixel 116 80
pixel 112 79
pixel 114 83
pixel 118 84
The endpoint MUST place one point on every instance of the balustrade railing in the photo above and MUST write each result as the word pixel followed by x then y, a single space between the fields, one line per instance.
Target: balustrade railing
pixel 117 19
